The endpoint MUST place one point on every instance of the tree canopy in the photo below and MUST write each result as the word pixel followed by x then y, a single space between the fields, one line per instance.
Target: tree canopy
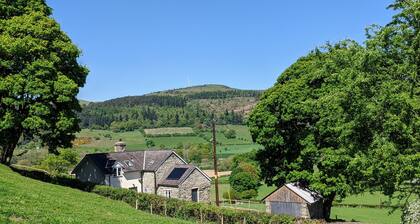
pixel 39 78
pixel 345 118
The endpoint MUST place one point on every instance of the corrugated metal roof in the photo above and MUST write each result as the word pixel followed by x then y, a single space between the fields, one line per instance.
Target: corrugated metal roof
pixel 304 193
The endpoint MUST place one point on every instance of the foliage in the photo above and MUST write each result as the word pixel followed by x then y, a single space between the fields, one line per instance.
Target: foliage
pixel 245 177
pixel 195 153
pixel 150 143
pixel 230 133
pixel 39 78
pixel 60 164
pixel 411 213
pixel 186 210
pixel 174 108
pixel 346 117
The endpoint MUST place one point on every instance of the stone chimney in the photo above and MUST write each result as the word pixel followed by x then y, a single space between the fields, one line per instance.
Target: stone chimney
pixel 120 146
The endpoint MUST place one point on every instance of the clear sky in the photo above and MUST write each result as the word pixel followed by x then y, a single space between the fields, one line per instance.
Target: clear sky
pixel 134 47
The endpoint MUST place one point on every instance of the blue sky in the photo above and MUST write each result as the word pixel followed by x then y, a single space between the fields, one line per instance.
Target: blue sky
pixel 134 47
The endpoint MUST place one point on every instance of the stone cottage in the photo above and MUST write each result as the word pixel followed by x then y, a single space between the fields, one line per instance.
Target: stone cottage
pixel 295 200
pixel 161 172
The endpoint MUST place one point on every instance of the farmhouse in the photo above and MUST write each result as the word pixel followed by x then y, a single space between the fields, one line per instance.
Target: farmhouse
pixel 160 172
pixel 292 199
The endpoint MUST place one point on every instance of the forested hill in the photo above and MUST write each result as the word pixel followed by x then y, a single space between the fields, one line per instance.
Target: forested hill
pixel 191 106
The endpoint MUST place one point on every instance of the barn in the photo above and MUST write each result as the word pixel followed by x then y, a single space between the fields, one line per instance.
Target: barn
pixel 294 200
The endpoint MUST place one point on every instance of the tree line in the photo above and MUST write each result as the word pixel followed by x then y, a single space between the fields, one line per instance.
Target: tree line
pixel 153 111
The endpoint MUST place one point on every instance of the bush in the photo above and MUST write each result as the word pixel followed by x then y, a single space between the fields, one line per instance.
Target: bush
pixel 169 207
pixel 230 134
pixel 411 213
pixel 60 179
pixel 188 210
pixel 62 163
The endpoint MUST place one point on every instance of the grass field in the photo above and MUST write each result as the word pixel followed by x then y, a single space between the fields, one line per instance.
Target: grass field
pixel 366 215
pixel 24 200
pixel 103 140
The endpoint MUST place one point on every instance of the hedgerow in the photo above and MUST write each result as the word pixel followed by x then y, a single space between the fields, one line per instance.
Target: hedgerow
pixel 200 212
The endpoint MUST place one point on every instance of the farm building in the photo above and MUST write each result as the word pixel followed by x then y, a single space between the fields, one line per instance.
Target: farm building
pixel 161 172
pixel 294 200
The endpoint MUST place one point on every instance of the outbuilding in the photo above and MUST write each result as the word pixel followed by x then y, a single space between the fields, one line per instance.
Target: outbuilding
pixel 295 200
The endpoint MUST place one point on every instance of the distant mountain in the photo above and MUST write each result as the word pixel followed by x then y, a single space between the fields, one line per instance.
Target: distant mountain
pixel 190 106
pixel 84 102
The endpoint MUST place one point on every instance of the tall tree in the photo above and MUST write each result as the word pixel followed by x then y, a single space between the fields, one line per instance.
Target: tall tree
pixel 39 78
pixel 346 118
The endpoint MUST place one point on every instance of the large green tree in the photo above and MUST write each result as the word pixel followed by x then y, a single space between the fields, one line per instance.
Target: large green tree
pixel 345 118
pixel 39 78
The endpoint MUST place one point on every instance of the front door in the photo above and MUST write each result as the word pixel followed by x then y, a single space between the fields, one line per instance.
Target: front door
pixel 194 195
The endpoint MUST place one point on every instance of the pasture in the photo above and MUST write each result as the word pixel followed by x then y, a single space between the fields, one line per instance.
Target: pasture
pixel 103 140
pixel 25 200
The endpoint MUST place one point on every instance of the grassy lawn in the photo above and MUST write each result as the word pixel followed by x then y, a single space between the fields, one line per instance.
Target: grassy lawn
pixel 366 215
pixel 24 200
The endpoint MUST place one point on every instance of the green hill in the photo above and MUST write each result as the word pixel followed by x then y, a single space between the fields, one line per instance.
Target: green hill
pixel 189 106
pixel 24 200
pixel 195 89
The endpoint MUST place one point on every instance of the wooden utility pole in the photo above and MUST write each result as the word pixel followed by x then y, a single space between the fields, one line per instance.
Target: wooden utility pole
pixel 216 175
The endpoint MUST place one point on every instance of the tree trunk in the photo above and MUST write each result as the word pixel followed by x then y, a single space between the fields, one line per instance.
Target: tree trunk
pixel 10 144
pixel 328 201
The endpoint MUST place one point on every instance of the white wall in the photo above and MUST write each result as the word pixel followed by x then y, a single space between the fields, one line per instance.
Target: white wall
pixel 127 180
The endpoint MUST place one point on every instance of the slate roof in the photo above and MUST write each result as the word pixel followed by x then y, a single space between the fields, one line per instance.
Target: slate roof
pixel 149 160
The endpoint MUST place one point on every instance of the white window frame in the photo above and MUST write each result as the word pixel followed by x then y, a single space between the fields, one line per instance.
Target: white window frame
pixel 168 193
pixel 118 171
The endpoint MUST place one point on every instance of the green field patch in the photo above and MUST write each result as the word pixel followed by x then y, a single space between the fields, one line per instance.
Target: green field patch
pixel 366 215
pixel 168 131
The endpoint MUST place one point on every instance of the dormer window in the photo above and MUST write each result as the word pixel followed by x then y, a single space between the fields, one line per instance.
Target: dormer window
pixel 118 171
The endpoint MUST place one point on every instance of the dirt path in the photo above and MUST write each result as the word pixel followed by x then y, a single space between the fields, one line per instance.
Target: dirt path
pixel 210 173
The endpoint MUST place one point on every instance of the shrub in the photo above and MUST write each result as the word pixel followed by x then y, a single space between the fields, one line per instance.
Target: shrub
pixel 188 210
pixel 175 208
pixel 230 134
pixel 62 163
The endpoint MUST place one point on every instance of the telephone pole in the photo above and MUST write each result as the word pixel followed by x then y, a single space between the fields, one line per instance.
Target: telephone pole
pixel 216 175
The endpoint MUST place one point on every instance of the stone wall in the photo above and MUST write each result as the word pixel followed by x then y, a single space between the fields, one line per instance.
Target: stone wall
pixel 195 180
pixel 174 191
pixel 167 166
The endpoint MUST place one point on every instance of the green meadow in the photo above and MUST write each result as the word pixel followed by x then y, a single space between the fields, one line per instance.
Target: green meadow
pixel 25 200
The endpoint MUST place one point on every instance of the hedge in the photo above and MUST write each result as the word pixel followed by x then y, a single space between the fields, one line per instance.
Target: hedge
pixel 169 207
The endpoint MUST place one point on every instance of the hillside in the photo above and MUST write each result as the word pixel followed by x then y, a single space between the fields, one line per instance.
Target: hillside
pixel 24 200
pixel 191 106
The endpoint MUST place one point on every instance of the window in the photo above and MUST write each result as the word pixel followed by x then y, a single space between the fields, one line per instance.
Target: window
pixel 118 171
pixel 168 193
pixel 176 173
pixel 194 195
